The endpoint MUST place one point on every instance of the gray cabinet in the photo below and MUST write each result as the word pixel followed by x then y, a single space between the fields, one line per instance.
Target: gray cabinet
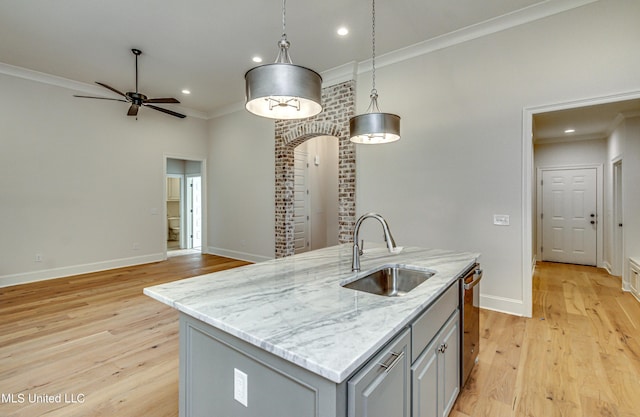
pixel 436 373
pixel 416 374
pixel 382 387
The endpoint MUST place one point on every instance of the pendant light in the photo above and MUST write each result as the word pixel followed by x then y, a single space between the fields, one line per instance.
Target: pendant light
pixel 283 90
pixel 374 127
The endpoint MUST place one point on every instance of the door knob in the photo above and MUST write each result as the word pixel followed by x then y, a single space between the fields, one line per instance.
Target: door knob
pixel 593 222
pixel 593 215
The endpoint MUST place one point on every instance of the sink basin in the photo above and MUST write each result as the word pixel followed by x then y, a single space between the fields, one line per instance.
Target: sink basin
pixel 390 281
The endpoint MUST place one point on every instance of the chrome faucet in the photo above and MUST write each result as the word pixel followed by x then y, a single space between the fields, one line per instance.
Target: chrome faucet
pixel 357 250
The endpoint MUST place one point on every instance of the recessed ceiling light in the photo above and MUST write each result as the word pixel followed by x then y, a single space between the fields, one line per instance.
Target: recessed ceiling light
pixel 569 131
pixel 256 59
pixel 185 91
pixel 343 31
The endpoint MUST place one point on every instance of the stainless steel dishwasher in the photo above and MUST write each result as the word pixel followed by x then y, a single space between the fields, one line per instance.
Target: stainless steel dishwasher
pixel 470 302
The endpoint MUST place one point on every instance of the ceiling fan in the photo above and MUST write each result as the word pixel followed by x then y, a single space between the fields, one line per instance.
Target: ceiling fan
pixel 136 98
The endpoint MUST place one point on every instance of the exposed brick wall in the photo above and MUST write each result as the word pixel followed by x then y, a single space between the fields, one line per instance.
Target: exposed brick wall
pixel 339 106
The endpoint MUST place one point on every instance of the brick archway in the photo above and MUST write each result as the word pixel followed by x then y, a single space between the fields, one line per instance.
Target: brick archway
pixel 339 107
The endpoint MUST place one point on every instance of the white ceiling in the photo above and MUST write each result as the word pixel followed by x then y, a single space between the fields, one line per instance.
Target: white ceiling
pixel 589 122
pixel 206 46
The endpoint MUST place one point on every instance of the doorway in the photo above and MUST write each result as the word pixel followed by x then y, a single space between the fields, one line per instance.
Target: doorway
pixel 618 241
pixel 316 194
pixel 184 207
pixel 621 103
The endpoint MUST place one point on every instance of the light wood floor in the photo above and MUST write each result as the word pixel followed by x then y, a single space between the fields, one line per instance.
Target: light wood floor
pixel 579 355
pixel 97 335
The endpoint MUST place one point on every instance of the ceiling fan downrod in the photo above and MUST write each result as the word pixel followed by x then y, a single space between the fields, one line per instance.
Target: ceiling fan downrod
pixel 137 53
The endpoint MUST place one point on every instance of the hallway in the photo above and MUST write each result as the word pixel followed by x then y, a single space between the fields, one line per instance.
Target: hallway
pixel 579 355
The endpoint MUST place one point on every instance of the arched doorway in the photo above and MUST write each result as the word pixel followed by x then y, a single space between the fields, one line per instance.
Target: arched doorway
pixel 339 107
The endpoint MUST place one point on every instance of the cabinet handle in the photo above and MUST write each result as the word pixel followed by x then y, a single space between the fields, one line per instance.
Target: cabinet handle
pixel 477 276
pixel 442 348
pixel 397 357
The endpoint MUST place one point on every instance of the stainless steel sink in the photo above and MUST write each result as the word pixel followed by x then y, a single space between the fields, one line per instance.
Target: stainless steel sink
pixel 390 281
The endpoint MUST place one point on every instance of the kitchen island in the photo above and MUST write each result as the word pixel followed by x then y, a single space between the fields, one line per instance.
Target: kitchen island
pixel 283 337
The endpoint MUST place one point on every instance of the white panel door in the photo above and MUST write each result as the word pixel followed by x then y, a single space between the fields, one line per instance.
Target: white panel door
pixel 194 212
pixel 301 203
pixel 569 217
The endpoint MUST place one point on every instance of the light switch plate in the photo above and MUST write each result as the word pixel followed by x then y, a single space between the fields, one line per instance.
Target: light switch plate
pixel 501 219
pixel 240 388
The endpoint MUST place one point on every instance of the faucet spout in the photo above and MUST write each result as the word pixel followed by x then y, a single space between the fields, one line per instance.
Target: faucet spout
pixel 357 250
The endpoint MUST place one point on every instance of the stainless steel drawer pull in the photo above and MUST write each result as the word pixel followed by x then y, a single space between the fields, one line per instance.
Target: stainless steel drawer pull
pixel 397 357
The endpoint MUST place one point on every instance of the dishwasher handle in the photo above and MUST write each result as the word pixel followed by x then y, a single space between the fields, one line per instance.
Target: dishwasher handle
pixel 477 276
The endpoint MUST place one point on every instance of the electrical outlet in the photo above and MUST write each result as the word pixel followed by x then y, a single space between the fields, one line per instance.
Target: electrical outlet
pixel 38 257
pixel 240 388
pixel 136 246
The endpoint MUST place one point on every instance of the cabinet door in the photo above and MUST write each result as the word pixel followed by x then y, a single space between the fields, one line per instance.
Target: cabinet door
pixel 436 373
pixel 382 387
pixel 173 189
pixel 450 358
pixel 424 376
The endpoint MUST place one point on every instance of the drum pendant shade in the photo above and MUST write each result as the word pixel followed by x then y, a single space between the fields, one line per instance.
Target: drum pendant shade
pixel 283 91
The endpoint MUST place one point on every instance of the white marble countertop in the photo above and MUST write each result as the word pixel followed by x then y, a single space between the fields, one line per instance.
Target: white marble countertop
pixel 295 308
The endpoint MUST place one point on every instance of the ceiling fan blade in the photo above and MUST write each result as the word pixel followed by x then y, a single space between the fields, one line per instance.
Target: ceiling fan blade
pixel 182 116
pixel 102 98
pixel 161 100
pixel 111 88
pixel 133 110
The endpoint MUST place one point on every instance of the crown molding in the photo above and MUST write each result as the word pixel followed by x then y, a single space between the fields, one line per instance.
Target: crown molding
pixel 488 27
pixel 350 70
pixel 225 110
pixel 77 86
pixel 340 74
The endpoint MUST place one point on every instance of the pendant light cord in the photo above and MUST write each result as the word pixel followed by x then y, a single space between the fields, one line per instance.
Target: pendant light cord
pixel 373 105
pixel 284 19
pixel 373 45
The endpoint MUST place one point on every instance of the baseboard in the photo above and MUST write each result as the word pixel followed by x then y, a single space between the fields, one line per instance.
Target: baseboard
pixel 502 305
pixel 45 274
pixel 243 256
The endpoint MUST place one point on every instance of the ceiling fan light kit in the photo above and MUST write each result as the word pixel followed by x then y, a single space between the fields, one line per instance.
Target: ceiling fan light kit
pixel 374 127
pixel 283 90
pixel 138 99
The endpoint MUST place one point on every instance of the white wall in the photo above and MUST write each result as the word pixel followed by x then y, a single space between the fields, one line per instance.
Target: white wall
pixel 241 187
pixel 460 157
pixel 80 180
pixel 631 192
pixel 571 153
